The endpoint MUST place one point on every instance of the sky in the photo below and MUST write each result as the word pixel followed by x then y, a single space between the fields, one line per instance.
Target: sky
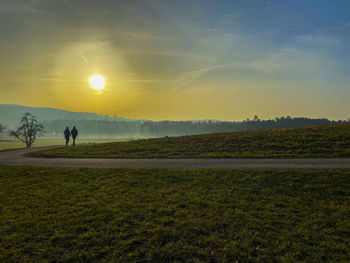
pixel 178 59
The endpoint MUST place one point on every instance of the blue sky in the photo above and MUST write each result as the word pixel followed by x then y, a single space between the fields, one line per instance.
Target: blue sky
pixel 184 59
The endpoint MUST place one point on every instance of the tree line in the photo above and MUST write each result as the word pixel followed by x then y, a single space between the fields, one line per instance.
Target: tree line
pixel 30 128
pixel 108 128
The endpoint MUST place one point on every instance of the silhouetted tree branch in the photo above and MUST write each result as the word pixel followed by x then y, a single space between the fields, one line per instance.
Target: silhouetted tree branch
pixel 28 130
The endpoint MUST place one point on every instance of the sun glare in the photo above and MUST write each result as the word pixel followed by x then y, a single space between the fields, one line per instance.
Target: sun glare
pixel 97 82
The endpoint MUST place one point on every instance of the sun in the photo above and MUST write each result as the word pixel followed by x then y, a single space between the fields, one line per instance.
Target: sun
pixel 97 82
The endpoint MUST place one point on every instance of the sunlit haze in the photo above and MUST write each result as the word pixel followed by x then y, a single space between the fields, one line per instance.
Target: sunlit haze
pixel 179 60
pixel 97 82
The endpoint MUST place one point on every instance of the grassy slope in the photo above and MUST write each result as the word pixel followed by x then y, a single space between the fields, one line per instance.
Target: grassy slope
pixel 320 141
pixel 162 215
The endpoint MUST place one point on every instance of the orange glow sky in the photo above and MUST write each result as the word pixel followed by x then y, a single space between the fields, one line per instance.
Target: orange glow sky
pixel 178 59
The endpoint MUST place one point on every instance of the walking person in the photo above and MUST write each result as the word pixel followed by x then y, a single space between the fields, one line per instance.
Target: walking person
pixel 67 135
pixel 74 133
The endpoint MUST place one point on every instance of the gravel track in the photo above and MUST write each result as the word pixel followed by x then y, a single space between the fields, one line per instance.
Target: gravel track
pixel 15 157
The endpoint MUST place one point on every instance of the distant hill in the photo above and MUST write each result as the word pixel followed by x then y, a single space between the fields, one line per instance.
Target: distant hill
pixel 94 125
pixel 10 114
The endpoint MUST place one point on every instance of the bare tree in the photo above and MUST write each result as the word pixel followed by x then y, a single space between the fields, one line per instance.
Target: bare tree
pixel 28 130
pixel 2 128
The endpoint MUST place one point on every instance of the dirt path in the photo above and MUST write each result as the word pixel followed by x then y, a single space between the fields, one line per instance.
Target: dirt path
pixel 15 157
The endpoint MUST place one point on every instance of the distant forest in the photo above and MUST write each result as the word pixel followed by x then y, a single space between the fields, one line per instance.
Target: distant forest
pixel 119 128
pixel 93 125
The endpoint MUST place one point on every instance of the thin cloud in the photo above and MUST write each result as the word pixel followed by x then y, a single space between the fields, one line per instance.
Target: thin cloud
pixel 189 77
pixel 16 9
pixel 83 57
pixel 317 40
pixel 287 60
pixel 149 81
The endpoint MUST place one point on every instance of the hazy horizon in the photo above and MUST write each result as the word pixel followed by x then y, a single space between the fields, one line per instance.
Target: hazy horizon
pixel 156 120
pixel 178 60
pixel 92 125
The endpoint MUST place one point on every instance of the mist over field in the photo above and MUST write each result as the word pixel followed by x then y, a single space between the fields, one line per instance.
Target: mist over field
pixel 91 125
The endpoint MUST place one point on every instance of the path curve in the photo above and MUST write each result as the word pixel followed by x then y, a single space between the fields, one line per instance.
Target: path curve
pixel 15 157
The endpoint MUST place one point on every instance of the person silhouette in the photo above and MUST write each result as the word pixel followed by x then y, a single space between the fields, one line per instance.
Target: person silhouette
pixel 74 133
pixel 67 135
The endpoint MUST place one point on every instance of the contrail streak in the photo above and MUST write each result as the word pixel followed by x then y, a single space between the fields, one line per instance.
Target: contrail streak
pixel 83 57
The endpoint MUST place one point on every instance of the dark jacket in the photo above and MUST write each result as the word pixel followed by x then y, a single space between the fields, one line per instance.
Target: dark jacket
pixel 74 132
pixel 66 133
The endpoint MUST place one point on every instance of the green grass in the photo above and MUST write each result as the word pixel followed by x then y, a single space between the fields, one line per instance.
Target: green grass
pixel 322 141
pixel 168 215
pixel 10 143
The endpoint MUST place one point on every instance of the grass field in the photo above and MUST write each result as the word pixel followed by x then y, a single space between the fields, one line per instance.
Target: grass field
pixel 321 141
pixel 168 215
pixel 7 144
